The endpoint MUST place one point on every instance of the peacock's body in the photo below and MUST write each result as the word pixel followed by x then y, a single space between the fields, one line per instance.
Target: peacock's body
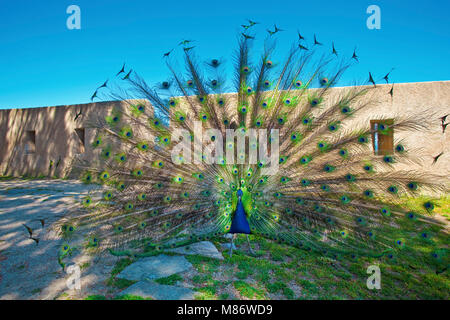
pixel 306 174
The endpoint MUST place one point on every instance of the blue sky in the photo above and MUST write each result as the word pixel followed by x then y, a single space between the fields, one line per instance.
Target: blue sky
pixel 44 64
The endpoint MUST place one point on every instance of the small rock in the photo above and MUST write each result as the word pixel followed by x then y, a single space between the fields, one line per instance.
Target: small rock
pixel 150 289
pixel 203 248
pixel 155 267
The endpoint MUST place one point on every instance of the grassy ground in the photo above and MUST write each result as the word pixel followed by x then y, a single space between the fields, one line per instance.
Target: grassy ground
pixel 277 271
pixel 281 272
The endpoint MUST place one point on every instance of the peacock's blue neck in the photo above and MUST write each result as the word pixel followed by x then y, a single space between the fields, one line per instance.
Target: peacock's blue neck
pixel 239 223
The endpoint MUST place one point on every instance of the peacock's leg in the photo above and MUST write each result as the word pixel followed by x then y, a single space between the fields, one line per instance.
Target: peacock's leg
pixel 231 245
pixel 249 246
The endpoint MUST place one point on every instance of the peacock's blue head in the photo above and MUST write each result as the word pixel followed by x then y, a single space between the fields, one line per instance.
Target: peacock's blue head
pixel 240 193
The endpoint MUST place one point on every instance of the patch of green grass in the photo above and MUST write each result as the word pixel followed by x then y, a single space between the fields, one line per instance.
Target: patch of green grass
pixel 121 283
pixel 85 265
pixel 288 293
pixel 203 264
pixel 201 279
pixel 130 297
pixel 248 291
pixel 170 280
pixel 95 297
pixel 224 296
pixel 277 256
pixel 242 275
pixel 120 265
pixel 118 282
pixel 275 287
pixel 37 290
pixel 62 295
pixel 206 293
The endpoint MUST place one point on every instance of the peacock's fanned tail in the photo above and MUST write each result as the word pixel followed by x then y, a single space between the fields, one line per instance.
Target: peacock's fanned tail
pixel 330 193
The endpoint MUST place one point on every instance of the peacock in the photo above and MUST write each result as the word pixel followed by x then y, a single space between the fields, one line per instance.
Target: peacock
pixel 272 151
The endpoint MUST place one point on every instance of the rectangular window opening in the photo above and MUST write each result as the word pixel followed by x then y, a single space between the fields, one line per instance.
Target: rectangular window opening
pixel 81 136
pixel 30 141
pixel 382 136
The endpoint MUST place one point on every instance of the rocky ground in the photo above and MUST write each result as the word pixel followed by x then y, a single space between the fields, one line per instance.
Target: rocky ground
pixel 204 270
pixel 30 269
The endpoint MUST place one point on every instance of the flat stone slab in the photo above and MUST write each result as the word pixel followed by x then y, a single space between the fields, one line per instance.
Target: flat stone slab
pixel 202 248
pixel 155 267
pixel 150 289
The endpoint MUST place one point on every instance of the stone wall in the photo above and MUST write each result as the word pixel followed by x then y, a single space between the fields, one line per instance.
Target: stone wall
pixel 56 138
pixel 57 141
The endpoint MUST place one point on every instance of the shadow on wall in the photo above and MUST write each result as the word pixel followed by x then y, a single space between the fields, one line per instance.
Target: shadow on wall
pixel 43 142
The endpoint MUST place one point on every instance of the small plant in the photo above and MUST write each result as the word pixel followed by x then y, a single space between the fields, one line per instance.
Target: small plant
pixel 95 297
pixel 248 291
pixel 130 297
pixel 170 280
